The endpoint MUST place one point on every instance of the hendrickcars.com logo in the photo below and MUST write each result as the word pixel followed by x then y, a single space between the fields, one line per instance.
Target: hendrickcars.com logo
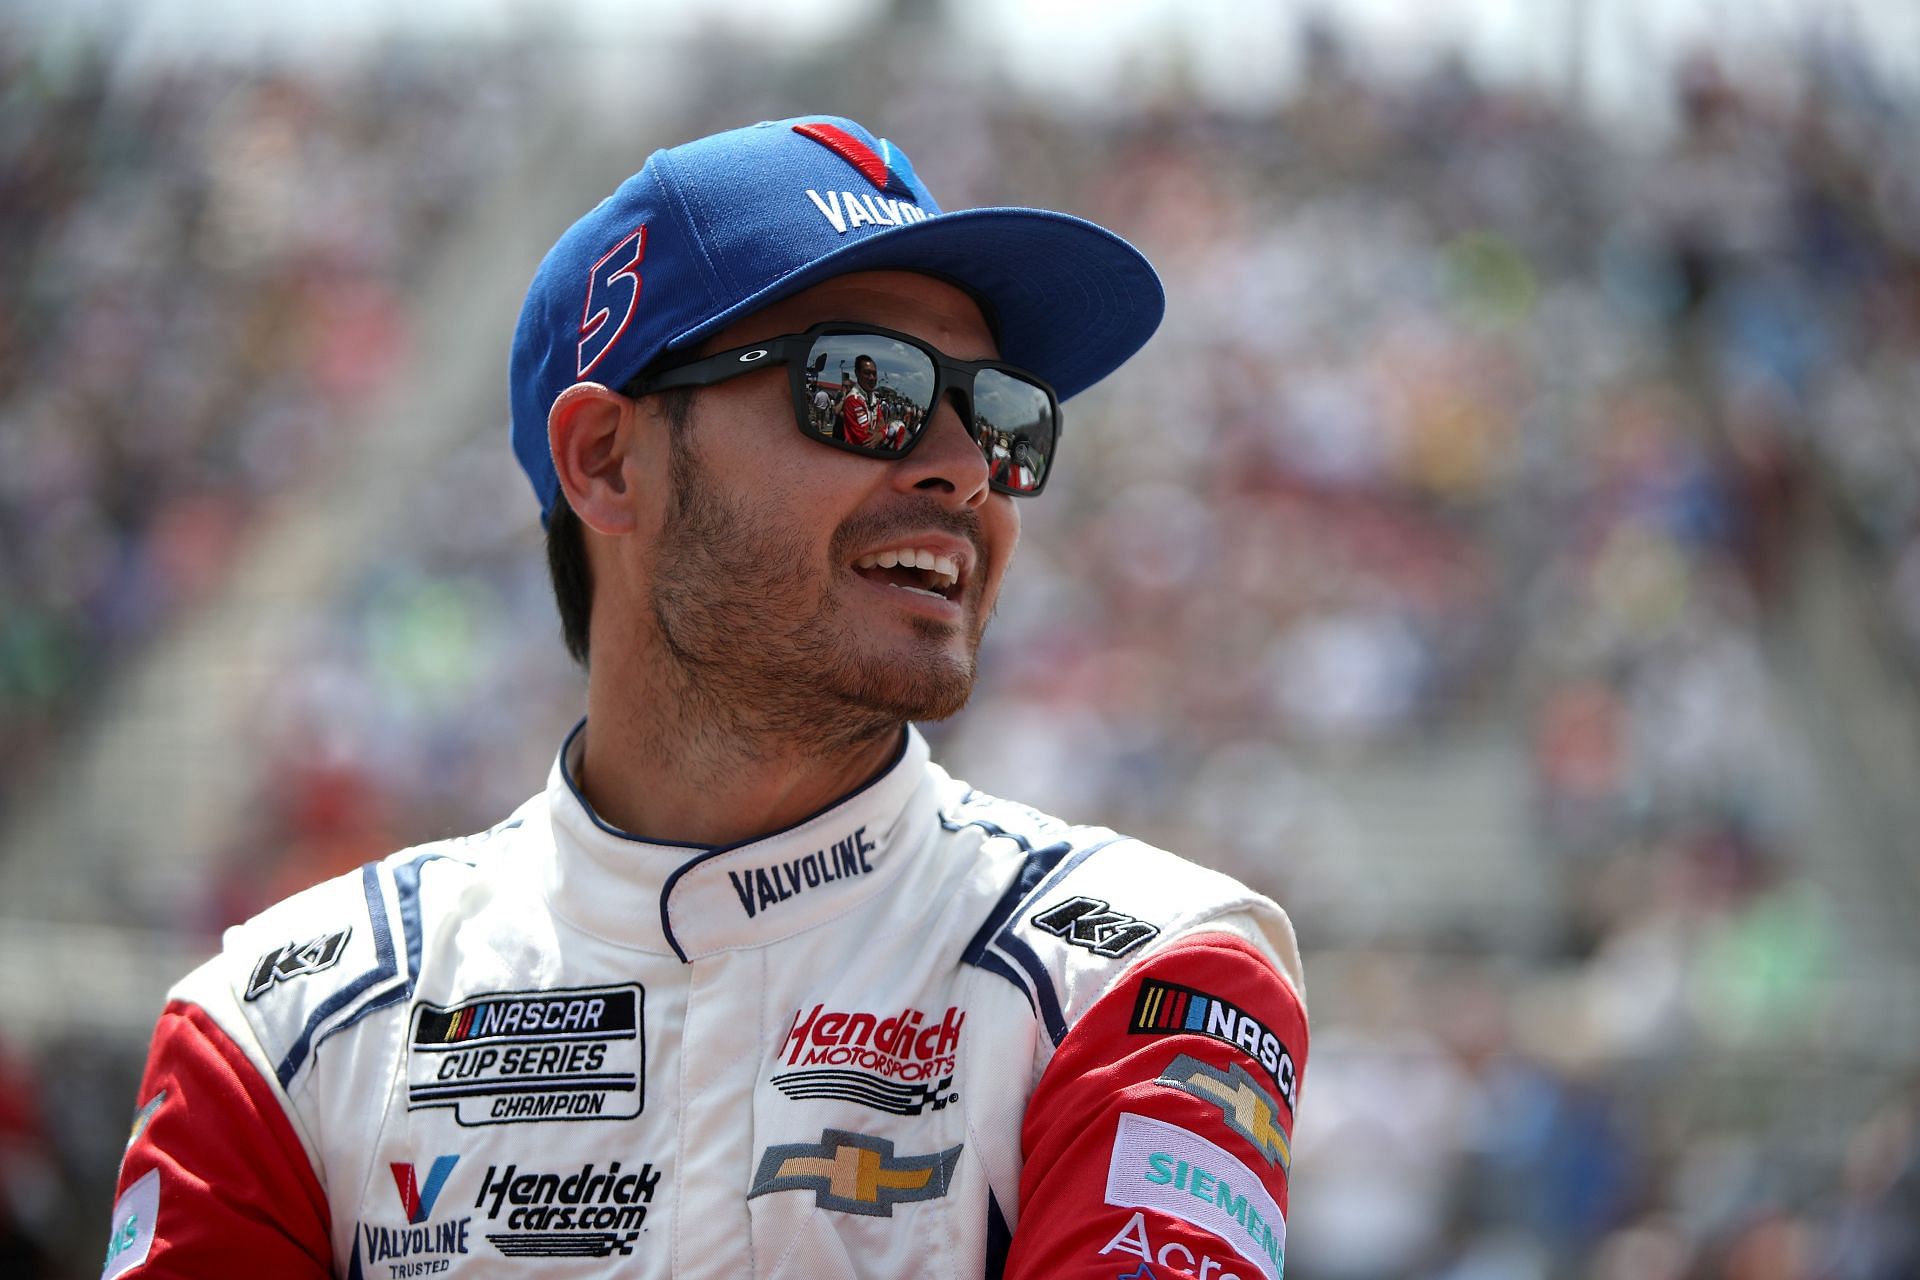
pixel 590 1212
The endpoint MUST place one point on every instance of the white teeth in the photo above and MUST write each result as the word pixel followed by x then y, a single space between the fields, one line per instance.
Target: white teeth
pixel 922 591
pixel 945 569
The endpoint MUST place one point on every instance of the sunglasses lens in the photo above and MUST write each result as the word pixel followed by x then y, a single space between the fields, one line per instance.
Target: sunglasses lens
pixel 1014 422
pixel 869 391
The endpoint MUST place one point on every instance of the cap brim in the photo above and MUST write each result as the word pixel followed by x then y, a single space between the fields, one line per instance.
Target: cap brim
pixel 1073 300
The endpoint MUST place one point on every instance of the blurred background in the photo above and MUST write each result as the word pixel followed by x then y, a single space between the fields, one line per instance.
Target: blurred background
pixel 1507 555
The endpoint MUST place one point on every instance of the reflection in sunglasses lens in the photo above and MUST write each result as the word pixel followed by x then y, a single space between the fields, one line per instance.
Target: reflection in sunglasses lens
pixel 1013 421
pixel 876 393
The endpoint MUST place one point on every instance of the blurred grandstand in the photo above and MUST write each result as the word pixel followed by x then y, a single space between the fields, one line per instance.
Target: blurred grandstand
pixel 1508 556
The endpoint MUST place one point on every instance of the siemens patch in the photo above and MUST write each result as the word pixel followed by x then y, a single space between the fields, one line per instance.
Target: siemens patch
pixel 1166 1009
pixel 134 1216
pixel 575 1054
pixel 1161 1166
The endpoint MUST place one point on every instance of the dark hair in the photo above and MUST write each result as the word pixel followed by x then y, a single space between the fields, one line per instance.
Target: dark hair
pixel 567 542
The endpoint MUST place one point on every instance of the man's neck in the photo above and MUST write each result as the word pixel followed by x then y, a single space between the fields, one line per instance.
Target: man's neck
pixel 659 765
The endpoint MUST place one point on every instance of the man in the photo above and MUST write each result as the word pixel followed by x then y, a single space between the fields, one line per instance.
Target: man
pixel 753 988
pixel 859 417
pixel 822 410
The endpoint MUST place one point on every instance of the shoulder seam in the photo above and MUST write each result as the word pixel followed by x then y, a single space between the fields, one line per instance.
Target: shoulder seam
pixel 997 948
pixel 405 877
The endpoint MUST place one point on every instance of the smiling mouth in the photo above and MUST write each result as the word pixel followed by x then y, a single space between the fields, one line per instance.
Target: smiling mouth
pixel 918 570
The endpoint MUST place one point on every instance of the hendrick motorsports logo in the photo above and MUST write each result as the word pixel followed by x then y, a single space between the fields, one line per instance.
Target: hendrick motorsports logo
pixel 902 1065
pixel 573 1054
pixel 589 1213
pixel 854 1173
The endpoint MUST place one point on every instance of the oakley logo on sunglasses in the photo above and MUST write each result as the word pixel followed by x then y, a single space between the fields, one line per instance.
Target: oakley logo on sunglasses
pixel 748 357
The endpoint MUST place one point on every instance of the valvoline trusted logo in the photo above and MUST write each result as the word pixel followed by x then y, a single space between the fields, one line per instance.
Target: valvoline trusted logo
pixel 415 1248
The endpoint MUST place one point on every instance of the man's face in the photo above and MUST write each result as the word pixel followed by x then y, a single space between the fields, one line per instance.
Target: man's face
pixel 867 372
pixel 771 582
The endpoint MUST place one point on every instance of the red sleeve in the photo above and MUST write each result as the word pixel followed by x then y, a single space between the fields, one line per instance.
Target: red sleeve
pixel 1159 1138
pixel 215 1181
pixel 857 418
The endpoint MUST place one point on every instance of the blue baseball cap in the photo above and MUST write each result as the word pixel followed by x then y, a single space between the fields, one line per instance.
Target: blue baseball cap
pixel 715 229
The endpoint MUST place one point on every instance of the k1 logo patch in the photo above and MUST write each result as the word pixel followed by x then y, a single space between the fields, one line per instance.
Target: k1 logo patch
pixel 854 1173
pixel 1091 923
pixel 296 960
pixel 572 1054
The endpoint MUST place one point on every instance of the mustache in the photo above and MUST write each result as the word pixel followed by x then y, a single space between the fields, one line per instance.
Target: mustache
pixel 908 517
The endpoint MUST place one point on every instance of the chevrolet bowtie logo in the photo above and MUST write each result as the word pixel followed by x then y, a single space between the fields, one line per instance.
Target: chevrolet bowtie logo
pixel 1249 1110
pixel 854 1173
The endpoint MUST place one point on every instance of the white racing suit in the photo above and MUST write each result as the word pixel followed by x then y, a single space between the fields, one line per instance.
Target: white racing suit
pixel 923 1033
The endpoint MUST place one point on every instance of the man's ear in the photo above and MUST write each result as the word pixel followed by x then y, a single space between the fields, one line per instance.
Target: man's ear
pixel 590 431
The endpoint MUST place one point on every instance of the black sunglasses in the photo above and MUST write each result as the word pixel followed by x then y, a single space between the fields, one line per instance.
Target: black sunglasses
pixel 872 391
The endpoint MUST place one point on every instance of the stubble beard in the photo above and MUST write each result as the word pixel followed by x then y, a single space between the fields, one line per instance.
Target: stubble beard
pixel 764 657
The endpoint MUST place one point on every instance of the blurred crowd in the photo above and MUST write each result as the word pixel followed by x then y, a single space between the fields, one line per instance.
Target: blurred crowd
pixel 203 284
pixel 1464 413
pixel 202 281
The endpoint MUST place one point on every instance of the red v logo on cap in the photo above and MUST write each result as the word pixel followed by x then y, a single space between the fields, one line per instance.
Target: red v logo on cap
pixel 872 164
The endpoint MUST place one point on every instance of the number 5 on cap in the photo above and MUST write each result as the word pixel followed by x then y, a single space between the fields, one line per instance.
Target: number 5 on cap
pixel 613 286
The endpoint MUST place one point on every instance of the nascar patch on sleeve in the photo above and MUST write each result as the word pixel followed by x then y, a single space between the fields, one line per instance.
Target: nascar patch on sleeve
pixel 1161 1166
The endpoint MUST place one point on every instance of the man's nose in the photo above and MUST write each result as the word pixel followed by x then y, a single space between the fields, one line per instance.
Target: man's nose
pixel 947 461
